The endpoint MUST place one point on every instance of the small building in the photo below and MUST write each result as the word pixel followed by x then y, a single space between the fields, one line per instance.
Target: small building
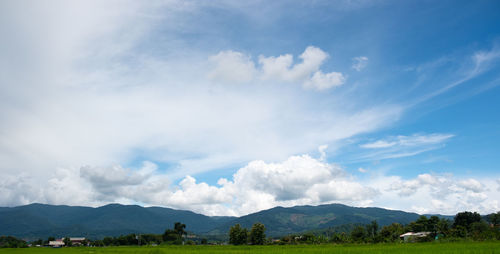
pixel 411 236
pixel 77 241
pixel 57 243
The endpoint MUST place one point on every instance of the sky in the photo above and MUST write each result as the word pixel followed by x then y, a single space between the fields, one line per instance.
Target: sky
pixel 232 107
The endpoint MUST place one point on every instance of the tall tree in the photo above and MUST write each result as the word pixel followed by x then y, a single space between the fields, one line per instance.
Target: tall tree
pixel 67 242
pixel 391 233
pixel 358 234
pixel 257 234
pixel 372 229
pixel 443 226
pixel 495 219
pixel 238 235
pixel 179 228
pixel 465 219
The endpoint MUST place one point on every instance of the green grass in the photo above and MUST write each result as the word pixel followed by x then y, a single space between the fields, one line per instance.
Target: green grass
pixel 417 248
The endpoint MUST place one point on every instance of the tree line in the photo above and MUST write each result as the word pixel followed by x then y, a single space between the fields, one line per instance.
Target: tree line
pixel 465 225
pixel 174 236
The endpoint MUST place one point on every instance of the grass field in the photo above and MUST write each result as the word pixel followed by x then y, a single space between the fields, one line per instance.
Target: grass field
pixel 462 248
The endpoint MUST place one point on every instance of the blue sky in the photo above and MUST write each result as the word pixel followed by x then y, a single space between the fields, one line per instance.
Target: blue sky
pixel 227 108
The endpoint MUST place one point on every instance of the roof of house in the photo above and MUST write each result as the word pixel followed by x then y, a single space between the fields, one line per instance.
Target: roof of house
pixel 52 243
pixel 418 234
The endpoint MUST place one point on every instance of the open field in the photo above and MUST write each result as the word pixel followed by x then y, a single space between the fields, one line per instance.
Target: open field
pixel 462 248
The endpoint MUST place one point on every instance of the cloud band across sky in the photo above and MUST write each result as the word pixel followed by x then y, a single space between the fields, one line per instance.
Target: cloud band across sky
pixel 299 180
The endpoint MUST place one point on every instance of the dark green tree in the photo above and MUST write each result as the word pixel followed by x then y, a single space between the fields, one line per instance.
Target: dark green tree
pixel 179 228
pixel 257 234
pixel 391 233
pixel 372 230
pixel 432 225
pixel 38 242
pixel 495 219
pixel 174 235
pixel 107 241
pixel 12 242
pixel 67 242
pixel 358 234
pixel 238 235
pixel 170 236
pixel 458 231
pixel 443 227
pixel 465 219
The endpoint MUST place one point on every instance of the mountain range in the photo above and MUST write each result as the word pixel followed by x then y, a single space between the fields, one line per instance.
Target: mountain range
pixel 41 221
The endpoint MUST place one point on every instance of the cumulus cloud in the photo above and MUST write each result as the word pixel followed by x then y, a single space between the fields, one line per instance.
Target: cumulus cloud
pixel 359 63
pixel 281 68
pixel 445 194
pixel 471 185
pixel 321 81
pixel 107 181
pixel 307 72
pixel 230 66
pixel 298 180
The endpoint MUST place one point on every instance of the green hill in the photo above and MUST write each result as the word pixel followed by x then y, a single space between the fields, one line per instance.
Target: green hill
pixel 41 221
pixel 282 221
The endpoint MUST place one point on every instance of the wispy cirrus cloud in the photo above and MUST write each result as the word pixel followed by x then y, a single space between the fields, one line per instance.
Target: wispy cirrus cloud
pixel 359 63
pixel 403 146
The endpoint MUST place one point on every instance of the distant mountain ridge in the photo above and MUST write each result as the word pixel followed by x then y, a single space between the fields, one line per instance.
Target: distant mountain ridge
pixel 41 221
pixel 282 221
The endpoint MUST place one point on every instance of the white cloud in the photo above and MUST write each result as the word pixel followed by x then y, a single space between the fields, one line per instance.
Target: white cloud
pixel 359 63
pixel 321 81
pixel 444 194
pixel 472 185
pixel 321 150
pixel 232 66
pixel 403 146
pixel 413 140
pixel 298 180
pixel 379 144
pixel 362 170
pixel 281 68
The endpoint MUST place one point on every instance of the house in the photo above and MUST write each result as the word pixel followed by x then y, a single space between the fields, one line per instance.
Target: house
pixel 77 241
pixel 57 243
pixel 410 236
